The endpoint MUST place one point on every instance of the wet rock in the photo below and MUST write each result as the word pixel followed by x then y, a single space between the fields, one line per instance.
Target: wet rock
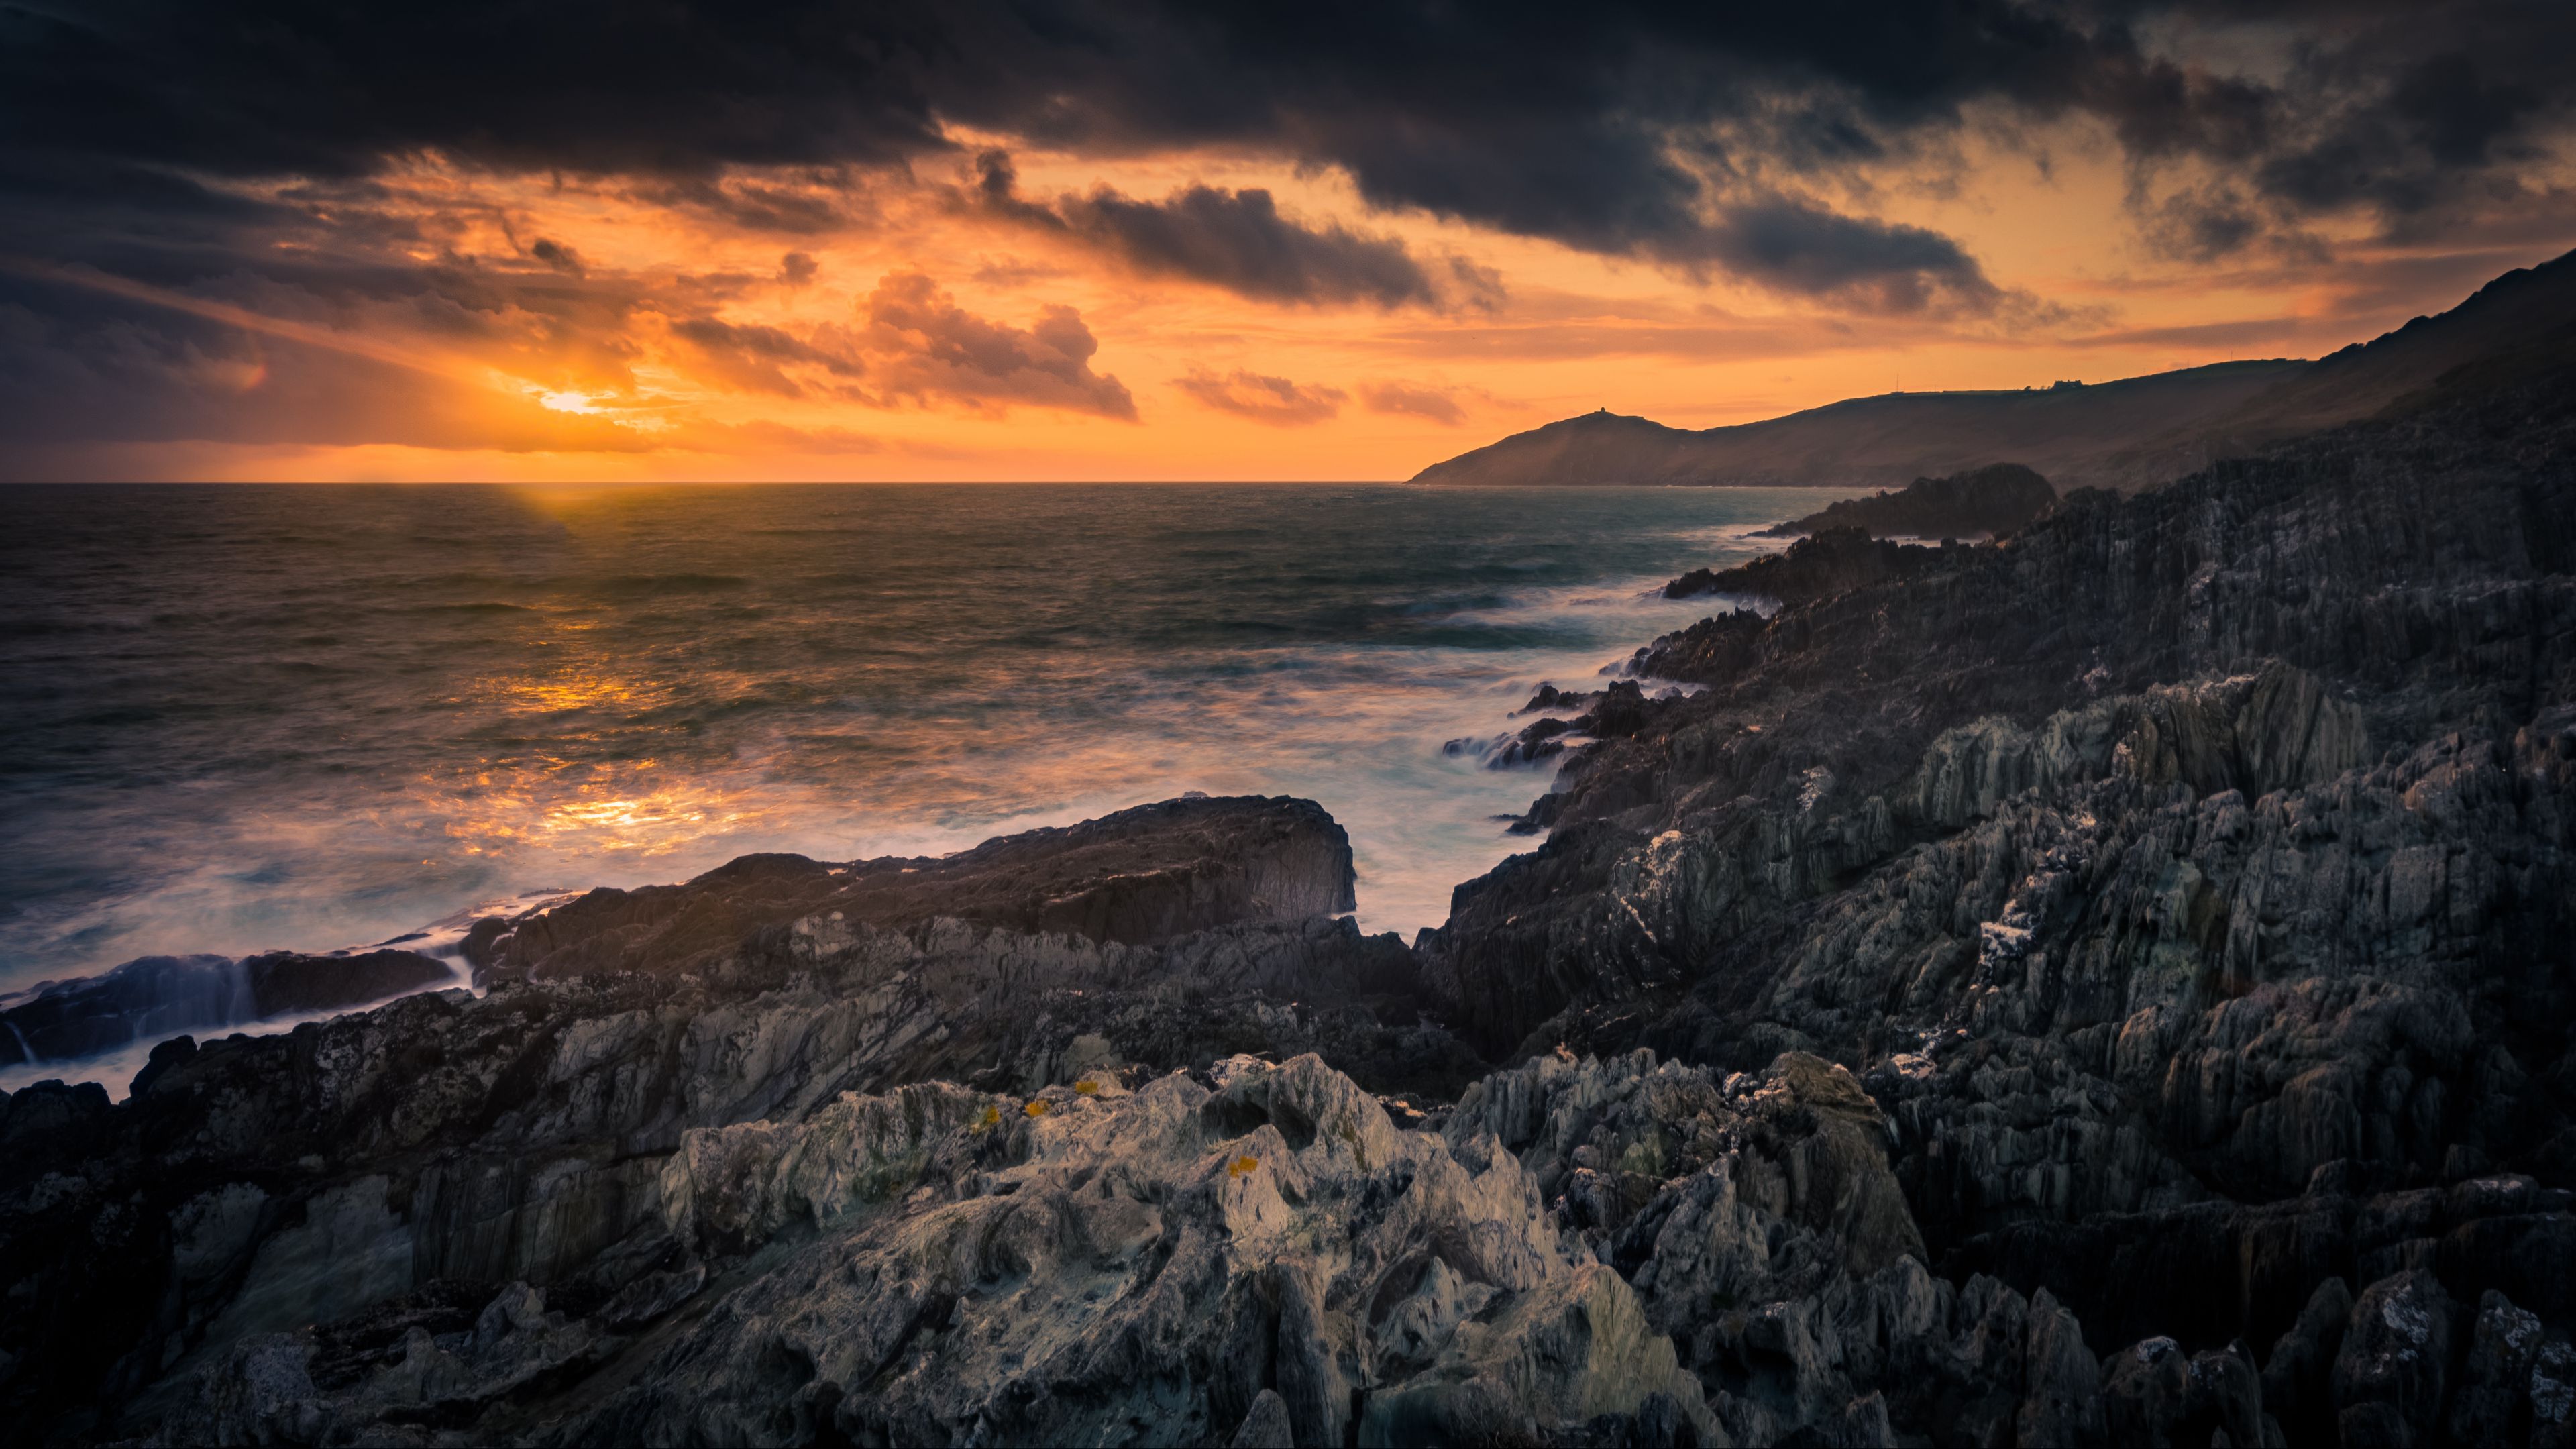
pixel 1831 561
pixel 1147 874
pixel 259 1185
pixel 163 996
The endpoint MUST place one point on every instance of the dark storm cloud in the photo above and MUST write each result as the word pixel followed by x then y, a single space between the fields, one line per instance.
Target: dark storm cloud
pixel 1621 129
pixel 267 87
pixel 816 202
pixel 1796 246
pixel 1697 138
pixel 1231 239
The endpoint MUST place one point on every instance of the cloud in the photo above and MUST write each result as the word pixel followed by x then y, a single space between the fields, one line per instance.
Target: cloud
pixel 1272 400
pixel 1627 130
pixel 755 358
pixel 1236 240
pixel 925 348
pixel 235 88
pixel 558 256
pixel 88 366
pixel 1792 245
pixel 1439 404
pixel 806 201
pixel 228 154
pixel 2397 115
pixel 314 317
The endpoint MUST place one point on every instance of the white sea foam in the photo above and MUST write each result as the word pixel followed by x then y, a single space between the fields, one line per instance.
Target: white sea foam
pixel 926 673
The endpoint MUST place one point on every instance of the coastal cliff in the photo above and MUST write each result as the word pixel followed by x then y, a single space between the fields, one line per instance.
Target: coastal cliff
pixel 2108 985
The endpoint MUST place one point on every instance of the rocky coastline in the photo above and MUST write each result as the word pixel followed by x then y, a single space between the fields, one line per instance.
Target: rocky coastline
pixel 2108 985
pixel 1977 503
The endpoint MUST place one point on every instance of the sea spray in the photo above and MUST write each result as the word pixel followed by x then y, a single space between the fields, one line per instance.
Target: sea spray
pixel 399 701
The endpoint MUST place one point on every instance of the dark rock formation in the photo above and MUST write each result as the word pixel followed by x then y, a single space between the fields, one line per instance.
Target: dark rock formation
pixel 1618 709
pixel 1835 561
pixel 2187 880
pixel 2112 986
pixel 372 1173
pixel 1995 499
pixel 161 996
pixel 1146 874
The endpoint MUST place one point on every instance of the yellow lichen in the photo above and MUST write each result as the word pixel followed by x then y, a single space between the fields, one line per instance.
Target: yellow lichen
pixel 1241 1166
pixel 1087 1087
pixel 991 1119
pixel 1037 1108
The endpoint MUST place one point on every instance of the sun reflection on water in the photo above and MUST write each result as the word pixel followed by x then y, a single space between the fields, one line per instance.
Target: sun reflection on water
pixel 448 696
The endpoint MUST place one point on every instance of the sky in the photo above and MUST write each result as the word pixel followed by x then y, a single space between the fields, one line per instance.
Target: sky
pixel 1058 239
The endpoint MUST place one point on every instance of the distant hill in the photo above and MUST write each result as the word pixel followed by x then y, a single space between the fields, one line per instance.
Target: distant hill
pixel 2134 433
pixel 2067 433
pixel 2525 314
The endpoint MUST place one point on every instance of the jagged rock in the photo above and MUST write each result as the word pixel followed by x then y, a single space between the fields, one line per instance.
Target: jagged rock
pixel 1114 1246
pixel 2298 1384
pixel 2553 1396
pixel 1265 1425
pixel 1147 874
pixel 2183 880
pixel 2145 1389
pixel 653 1295
pixel 257 1185
pixel 1994 499
pixel 2062 1401
pixel 2025 976
pixel 2389 1376
pixel 1712 651
pixel 1830 561
pixel 2495 1374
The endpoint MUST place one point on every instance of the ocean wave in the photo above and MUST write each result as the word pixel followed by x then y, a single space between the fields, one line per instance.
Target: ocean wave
pixel 678 680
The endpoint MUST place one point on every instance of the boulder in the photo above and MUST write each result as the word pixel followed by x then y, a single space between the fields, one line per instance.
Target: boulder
pixel 1148 874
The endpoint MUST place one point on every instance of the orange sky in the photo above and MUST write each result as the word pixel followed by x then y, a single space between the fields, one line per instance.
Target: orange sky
pixel 649 334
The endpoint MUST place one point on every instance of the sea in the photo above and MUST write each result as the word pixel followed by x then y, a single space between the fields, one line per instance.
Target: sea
pixel 237 718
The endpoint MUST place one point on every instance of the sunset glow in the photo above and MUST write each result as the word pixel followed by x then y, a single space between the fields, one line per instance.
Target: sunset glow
pixel 1003 300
